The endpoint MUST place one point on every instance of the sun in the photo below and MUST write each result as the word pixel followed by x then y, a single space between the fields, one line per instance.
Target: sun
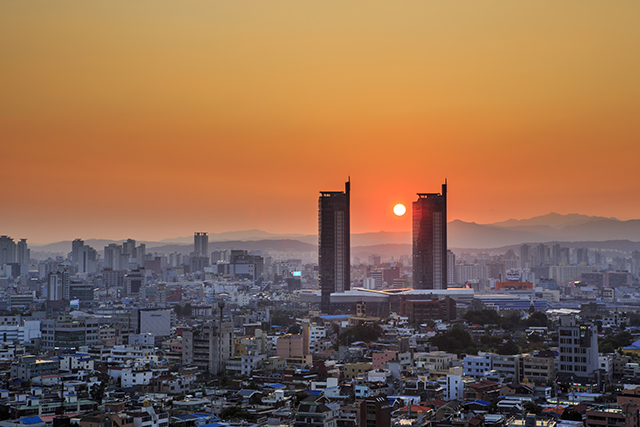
pixel 399 209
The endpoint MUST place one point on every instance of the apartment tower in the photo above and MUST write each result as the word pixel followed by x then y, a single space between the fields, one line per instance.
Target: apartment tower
pixel 430 240
pixel 334 244
pixel 201 244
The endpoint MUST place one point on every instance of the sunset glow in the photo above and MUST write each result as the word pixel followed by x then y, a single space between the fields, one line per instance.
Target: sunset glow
pixel 127 118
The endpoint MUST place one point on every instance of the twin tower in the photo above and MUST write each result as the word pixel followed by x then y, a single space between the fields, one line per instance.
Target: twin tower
pixel 334 242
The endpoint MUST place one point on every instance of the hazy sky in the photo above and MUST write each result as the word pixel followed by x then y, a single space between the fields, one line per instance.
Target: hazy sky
pixel 154 119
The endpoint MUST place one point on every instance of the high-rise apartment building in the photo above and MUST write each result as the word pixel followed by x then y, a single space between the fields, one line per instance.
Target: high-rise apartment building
pixel 334 244
pixel 525 256
pixel 201 244
pixel 58 285
pixel 208 347
pixel 112 256
pixel 76 248
pixel 451 268
pixel 24 256
pixel 7 250
pixel 430 240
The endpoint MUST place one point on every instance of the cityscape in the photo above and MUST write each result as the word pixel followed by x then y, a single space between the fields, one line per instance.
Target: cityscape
pixel 129 334
pixel 319 214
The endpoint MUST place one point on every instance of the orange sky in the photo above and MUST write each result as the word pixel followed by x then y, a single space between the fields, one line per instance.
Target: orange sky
pixel 154 119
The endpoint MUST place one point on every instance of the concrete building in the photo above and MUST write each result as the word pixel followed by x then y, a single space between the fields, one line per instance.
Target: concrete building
pixel 352 370
pixel 14 329
pixel 155 321
pixel 68 335
pixel 478 366
pixel 538 368
pixel 578 348
pixel 58 286
pixel 625 415
pixel 375 412
pixel 507 366
pixel 315 414
pixel 209 346
pixel 29 367
pixel 454 386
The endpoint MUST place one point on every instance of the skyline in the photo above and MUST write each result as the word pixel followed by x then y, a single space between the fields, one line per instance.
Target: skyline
pixel 254 234
pixel 119 120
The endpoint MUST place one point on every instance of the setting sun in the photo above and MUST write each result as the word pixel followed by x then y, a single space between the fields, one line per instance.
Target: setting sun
pixel 399 209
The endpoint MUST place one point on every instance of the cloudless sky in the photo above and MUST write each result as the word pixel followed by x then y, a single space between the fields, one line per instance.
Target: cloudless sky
pixel 155 119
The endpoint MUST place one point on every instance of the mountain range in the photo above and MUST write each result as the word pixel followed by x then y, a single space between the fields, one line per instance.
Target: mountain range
pixel 552 227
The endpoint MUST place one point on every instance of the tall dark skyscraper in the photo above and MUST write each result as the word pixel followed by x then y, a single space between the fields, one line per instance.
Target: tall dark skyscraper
pixel 201 244
pixel 430 240
pixel 334 244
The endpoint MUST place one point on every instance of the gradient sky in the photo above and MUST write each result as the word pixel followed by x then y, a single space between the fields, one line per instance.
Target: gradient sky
pixel 154 119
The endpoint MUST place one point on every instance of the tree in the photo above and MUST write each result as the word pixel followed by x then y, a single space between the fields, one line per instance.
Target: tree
pixel 178 310
pixel 455 340
pixel 187 310
pixel 634 319
pixel 511 321
pixel 97 392
pixel 509 348
pixel 294 329
pixel 532 408
pixel 538 319
pixel 235 412
pixel 611 343
pixel 367 332
pixel 490 341
pixel 483 317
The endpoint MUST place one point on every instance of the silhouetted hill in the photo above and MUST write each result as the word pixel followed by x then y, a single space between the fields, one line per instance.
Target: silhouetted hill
pixel 553 220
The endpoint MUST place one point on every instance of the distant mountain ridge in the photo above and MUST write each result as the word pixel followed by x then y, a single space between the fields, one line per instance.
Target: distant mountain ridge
pixel 552 220
pixel 461 234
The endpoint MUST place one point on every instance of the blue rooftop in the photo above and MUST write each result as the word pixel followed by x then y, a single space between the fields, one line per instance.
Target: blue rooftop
pixel 276 385
pixel 31 420
pixel 479 402
pixel 634 346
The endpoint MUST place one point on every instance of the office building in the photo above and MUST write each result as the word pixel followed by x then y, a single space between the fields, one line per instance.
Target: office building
pixel 133 282
pixel 430 240
pixel 334 244
pixel 66 334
